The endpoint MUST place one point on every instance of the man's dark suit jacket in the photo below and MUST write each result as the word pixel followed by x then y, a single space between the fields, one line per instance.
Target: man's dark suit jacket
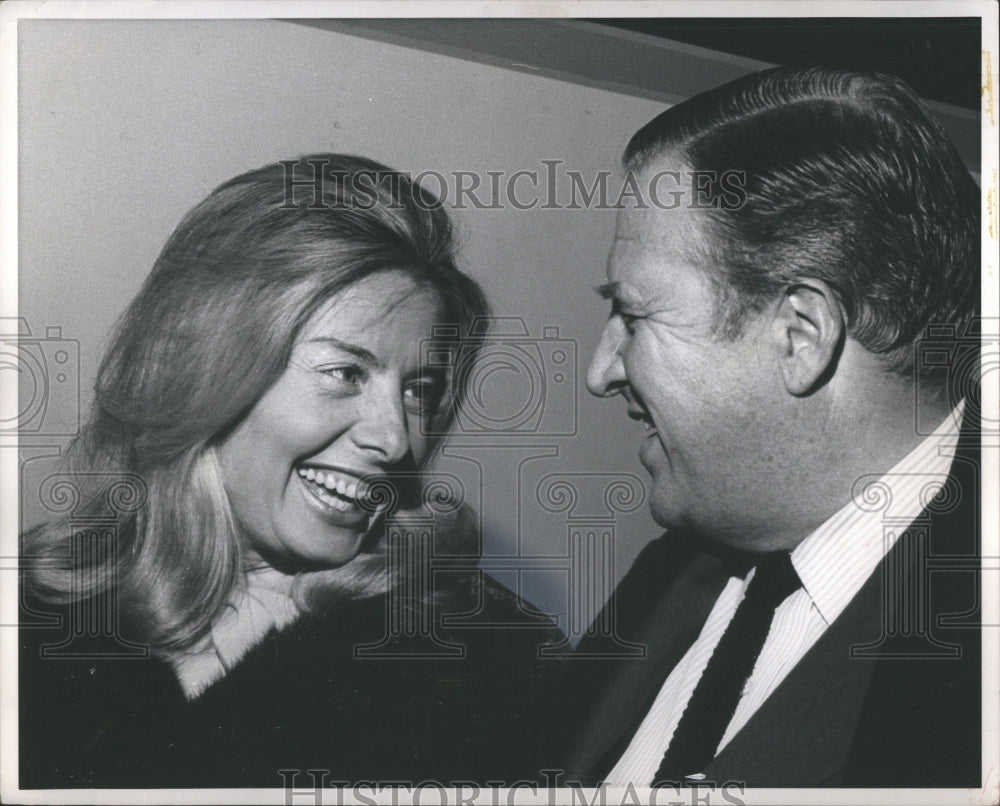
pixel 890 695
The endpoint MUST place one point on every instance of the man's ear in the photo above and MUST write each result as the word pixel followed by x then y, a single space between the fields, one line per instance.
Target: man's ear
pixel 809 332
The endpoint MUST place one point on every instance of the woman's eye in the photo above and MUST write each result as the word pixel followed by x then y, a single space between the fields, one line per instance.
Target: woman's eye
pixel 423 397
pixel 348 375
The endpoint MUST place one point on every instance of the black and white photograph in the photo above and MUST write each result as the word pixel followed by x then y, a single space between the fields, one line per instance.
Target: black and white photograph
pixel 493 403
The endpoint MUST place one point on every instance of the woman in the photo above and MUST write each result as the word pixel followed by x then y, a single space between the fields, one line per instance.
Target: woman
pixel 267 600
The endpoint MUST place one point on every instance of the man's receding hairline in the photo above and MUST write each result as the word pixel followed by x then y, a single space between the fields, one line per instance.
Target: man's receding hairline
pixel 641 158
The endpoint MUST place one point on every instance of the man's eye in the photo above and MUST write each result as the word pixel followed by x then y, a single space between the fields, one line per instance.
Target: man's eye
pixel 629 321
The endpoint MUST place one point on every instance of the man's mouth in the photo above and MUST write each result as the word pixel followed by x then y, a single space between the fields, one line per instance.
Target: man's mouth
pixel 642 417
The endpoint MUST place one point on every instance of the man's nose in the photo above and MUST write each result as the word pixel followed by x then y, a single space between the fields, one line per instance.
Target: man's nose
pixel 606 373
pixel 381 427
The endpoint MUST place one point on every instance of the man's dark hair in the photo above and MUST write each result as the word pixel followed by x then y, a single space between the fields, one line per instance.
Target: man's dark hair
pixel 848 179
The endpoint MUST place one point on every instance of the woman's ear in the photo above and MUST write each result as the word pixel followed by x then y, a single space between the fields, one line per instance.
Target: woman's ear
pixel 809 331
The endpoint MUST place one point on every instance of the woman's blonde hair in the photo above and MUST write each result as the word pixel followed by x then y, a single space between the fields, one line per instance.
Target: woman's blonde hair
pixel 210 331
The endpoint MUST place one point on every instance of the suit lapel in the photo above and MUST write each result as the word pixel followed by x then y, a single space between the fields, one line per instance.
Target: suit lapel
pixel 801 735
pixel 805 733
pixel 672 621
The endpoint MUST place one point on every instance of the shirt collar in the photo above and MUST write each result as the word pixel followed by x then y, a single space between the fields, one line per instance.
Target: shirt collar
pixel 837 558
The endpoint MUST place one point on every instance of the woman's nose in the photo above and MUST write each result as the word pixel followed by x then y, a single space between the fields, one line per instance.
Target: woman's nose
pixel 606 373
pixel 382 427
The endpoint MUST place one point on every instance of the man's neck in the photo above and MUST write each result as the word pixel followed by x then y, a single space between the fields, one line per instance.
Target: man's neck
pixel 858 436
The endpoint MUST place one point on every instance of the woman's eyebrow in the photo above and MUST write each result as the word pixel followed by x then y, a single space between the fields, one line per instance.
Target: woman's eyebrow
pixel 438 373
pixel 359 352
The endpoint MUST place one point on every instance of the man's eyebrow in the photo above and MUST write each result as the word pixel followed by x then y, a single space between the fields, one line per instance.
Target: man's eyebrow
pixel 607 291
pixel 360 352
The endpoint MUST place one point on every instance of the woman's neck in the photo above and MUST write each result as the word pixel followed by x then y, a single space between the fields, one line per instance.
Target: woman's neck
pixel 263 603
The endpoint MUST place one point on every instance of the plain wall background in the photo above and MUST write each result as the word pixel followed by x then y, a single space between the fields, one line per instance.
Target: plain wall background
pixel 124 125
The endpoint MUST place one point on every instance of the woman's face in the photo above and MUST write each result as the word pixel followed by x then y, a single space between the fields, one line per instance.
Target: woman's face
pixel 351 404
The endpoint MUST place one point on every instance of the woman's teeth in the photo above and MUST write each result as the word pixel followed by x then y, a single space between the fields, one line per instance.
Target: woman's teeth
pixel 337 491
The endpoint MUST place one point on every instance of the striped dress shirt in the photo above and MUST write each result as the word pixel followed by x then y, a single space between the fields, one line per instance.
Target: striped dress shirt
pixel 833 563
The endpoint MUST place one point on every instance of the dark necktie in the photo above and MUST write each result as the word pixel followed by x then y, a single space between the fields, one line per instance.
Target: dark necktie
pixel 714 700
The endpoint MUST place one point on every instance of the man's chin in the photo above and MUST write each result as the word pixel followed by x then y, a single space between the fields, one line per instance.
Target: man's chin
pixel 651 452
pixel 662 515
pixel 662 492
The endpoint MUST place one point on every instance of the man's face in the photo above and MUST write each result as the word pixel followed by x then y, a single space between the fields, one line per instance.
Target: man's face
pixel 710 406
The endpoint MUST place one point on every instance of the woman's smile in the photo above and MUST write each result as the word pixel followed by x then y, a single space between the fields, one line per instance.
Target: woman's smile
pixel 335 488
pixel 349 409
pixel 341 509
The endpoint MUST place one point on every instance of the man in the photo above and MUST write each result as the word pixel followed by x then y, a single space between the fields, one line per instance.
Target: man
pixel 772 334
